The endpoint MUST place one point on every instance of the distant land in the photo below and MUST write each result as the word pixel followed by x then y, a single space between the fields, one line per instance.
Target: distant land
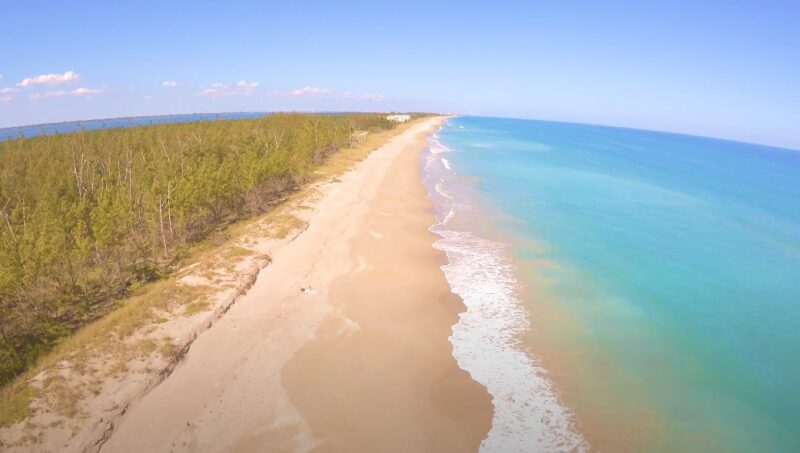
pixel 35 130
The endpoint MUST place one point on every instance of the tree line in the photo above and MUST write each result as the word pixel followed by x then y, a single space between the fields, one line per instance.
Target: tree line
pixel 87 216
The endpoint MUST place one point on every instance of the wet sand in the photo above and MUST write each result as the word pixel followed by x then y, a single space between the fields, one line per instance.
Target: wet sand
pixel 341 344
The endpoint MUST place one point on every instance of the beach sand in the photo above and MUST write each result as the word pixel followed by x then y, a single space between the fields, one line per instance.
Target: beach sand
pixel 340 345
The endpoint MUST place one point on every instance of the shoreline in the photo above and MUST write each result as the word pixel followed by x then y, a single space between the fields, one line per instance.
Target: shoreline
pixel 307 360
pixel 531 412
pixel 646 350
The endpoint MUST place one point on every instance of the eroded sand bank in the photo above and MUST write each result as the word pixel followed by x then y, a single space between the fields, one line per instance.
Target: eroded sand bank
pixel 341 344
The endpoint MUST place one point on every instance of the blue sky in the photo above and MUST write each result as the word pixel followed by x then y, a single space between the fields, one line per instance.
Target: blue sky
pixel 724 69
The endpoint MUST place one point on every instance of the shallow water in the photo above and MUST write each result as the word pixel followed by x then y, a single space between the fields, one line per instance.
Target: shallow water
pixel 646 281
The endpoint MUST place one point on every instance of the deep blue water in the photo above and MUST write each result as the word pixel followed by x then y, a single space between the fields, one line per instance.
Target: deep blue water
pixel 679 255
pixel 73 126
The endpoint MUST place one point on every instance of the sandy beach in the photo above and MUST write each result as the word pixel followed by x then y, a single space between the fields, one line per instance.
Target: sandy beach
pixel 340 345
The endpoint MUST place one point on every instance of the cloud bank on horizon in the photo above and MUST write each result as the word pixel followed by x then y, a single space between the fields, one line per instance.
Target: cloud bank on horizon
pixel 217 89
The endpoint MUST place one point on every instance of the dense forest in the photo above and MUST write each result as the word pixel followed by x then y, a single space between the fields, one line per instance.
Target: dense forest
pixel 86 216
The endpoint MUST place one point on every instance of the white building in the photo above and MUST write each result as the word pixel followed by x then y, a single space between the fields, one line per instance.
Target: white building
pixel 398 118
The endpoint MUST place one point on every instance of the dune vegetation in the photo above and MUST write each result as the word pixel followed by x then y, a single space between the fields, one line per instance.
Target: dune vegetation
pixel 87 217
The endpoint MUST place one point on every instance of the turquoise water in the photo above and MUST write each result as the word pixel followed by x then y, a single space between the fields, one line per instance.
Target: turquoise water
pixel 680 257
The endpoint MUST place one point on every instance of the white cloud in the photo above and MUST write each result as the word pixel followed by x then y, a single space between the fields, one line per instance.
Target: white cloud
pixel 324 92
pixel 310 91
pixel 241 87
pixel 48 94
pixel 147 97
pixel 170 84
pixel 363 97
pixel 246 85
pixel 61 93
pixel 50 79
pixel 84 91
pixel 5 93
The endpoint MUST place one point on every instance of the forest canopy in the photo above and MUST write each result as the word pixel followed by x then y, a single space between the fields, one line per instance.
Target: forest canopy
pixel 86 216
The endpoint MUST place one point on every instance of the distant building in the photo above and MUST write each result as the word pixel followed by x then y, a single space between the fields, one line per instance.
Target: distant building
pixel 398 118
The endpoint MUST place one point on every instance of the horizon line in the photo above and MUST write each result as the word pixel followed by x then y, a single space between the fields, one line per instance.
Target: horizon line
pixel 575 123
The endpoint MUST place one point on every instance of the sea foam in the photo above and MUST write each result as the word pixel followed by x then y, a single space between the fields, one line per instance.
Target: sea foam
pixel 436 147
pixel 528 413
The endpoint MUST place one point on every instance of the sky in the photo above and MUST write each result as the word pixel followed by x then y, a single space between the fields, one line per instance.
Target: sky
pixel 727 69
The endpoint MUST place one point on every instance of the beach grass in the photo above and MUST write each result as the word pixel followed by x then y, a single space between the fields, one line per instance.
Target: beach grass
pixel 15 400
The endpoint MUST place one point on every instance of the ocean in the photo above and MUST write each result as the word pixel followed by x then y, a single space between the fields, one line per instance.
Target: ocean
pixel 625 289
pixel 111 123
